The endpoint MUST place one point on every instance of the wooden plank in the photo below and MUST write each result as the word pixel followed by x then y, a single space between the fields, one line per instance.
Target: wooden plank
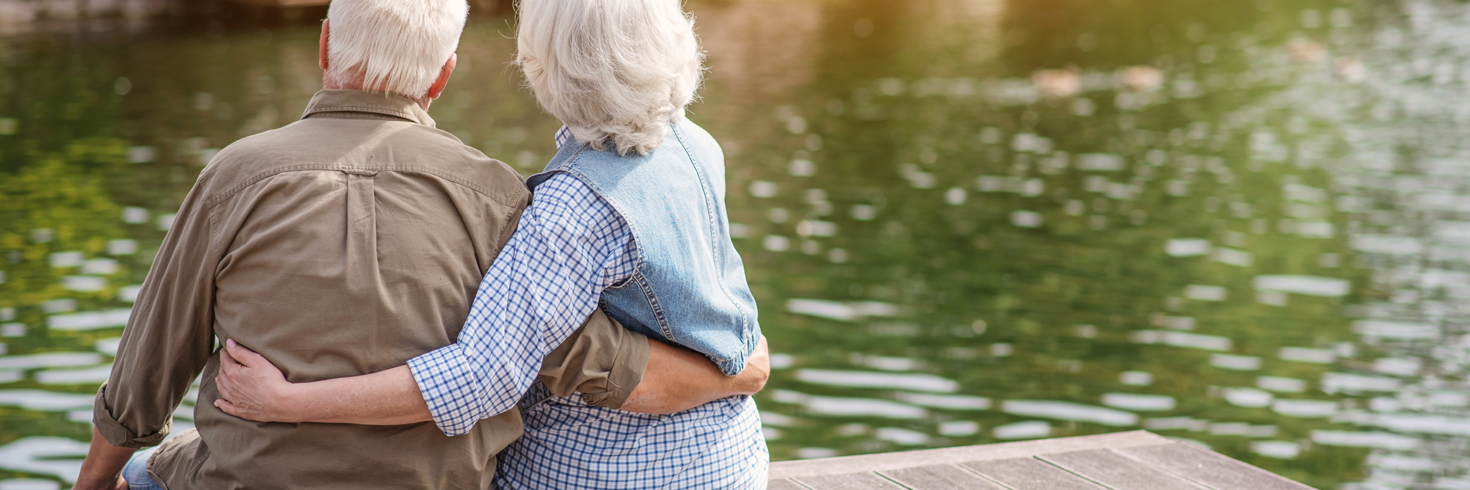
pixel 1115 470
pixel 784 485
pixel 1030 474
pixel 850 481
pixel 939 477
pixel 926 457
pixel 1211 468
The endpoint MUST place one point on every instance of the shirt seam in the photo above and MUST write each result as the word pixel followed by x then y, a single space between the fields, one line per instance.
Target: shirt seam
pixel 503 238
pixel 566 167
pixel 255 179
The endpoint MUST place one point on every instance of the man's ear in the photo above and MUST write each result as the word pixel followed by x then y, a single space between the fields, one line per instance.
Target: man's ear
pixel 322 60
pixel 439 83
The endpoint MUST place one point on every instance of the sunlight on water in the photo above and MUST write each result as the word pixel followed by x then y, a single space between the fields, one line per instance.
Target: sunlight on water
pixel 1242 224
pixel 919 382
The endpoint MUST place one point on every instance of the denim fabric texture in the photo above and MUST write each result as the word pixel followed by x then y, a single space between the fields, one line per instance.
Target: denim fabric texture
pixel 568 248
pixel 573 248
pixel 689 287
pixel 136 471
pixel 672 204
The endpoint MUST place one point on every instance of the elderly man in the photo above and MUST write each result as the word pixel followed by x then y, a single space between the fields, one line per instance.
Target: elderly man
pixel 360 214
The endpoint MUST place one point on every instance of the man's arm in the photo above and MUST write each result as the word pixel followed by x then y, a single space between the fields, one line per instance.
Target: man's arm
pixel 166 343
pixel 103 468
pixel 613 367
pixel 679 379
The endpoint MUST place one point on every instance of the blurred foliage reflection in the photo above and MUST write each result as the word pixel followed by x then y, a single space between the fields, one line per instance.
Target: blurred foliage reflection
pixel 966 221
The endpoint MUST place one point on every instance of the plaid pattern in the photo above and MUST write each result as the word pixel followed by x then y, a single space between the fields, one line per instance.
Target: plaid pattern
pixel 569 247
pixel 564 136
pixel 570 445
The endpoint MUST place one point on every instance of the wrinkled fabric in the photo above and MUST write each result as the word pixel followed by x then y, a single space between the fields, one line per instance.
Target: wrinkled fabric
pixel 575 247
pixel 343 244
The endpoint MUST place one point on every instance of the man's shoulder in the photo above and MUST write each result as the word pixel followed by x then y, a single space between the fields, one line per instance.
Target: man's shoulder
pixel 367 146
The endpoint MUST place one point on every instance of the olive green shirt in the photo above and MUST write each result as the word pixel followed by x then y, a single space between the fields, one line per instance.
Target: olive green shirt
pixel 342 244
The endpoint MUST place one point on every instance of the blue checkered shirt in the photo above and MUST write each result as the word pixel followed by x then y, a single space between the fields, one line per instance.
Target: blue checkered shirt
pixel 570 245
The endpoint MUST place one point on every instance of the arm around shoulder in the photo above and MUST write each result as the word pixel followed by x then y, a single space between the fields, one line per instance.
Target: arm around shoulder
pixel 613 367
pixel 602 360
pixel 679 379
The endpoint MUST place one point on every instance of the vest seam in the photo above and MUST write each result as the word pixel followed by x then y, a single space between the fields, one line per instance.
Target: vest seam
pixel 713 224
pixel 658 312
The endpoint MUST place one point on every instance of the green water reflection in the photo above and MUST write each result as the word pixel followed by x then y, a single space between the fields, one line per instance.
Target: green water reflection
pixel 966 222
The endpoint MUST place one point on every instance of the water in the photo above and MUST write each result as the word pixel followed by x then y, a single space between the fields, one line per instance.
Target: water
pixel 1244 224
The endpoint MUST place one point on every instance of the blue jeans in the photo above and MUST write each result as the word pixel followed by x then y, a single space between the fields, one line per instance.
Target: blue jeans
pixel 136 471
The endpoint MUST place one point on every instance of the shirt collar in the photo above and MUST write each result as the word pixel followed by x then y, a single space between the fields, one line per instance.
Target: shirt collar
pixel 341 100
pixel 564 136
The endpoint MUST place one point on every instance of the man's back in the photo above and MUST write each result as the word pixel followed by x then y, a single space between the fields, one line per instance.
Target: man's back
pixel 360 214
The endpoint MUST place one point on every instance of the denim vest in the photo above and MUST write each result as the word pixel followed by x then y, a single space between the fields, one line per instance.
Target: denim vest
pixel 689 286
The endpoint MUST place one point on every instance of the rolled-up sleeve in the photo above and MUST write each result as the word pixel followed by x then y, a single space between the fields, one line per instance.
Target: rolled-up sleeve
pixel 568 247
pixel 168 338
pixel 603 361
pixel 119 434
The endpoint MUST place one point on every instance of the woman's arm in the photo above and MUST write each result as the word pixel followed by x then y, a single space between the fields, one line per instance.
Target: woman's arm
pixel 252 388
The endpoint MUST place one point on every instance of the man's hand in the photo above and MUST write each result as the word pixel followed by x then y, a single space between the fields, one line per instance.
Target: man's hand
pixel 113 483
pixel 252 388
pixel 757 370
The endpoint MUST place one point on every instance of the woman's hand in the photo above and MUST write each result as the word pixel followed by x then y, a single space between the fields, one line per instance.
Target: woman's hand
pixel 250 387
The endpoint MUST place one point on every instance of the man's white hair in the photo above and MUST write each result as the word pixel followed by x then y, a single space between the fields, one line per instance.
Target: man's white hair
pixel 397 46
pixel 613 71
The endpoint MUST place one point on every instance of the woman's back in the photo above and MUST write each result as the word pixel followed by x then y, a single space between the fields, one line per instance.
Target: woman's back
pixel 689 289
pixel 648 189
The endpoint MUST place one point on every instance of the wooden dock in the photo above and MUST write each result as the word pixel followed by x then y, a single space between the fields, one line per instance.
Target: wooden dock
pixel 1137 460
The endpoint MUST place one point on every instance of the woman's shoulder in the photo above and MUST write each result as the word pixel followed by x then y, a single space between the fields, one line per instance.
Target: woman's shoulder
pixel 699 145
pixel 693 131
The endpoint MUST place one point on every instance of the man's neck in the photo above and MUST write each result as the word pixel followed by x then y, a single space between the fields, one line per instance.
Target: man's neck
pixel 330 83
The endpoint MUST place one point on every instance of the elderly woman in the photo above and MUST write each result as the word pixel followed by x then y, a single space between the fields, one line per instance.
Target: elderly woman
pixel 629 214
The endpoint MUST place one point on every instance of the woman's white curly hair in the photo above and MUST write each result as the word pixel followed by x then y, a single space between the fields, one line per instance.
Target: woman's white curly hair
pixel 613 71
